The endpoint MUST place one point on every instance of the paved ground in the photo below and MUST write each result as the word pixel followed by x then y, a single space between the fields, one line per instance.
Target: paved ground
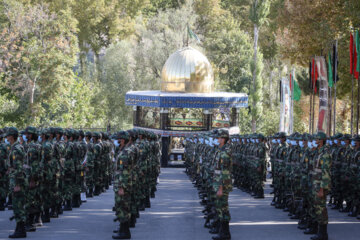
pixel 176 214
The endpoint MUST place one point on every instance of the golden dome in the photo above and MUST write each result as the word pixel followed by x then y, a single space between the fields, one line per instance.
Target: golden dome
pixel 187 70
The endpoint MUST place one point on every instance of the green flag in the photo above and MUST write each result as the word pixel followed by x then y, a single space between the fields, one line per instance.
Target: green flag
pixel 330 72
pixel 297 91
pixel 192 34
pixel 357 44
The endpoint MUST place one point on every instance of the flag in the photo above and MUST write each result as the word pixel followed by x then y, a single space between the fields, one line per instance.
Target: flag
pixel 335 64
pixel 193 35
pixel 330 72
pixel 357 44
pixel 290 82
pixel 353 57
pixel 280 89
pixel 296 92
pixel 314 75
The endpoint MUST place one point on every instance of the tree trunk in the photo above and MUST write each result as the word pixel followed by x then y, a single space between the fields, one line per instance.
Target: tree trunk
pixel 256 36
pixel 97 72
pixel 32 95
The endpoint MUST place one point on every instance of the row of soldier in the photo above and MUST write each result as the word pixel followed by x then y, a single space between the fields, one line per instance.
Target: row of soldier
pixel 137 167
pixel 45 172
pixel 209 166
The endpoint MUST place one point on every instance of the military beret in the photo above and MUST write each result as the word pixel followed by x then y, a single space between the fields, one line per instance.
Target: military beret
pixel 88 134
pixel 338 136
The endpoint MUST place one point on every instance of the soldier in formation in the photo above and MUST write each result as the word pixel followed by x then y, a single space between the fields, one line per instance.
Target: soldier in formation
pixel 302 179
pixel 44 172
pixel 209 165
pixel 137 167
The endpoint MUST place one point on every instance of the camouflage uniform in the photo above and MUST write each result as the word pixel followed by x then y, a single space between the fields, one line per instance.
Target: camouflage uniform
pixel 4 182
pixel 17 179
pixel 122 182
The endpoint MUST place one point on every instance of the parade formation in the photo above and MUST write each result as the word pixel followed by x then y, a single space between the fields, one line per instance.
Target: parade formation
pixel 48 171
pixel 305 170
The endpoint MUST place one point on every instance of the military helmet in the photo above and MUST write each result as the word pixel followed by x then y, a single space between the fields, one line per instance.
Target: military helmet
pixel 356 138
pixel 282 135
pixel 31 130
pixel 96 134
pixel 81 133
pixel 88 134
pixel 223 133
pixel 320 135
pixel 122 135
pixel 12 131
pixel 346 137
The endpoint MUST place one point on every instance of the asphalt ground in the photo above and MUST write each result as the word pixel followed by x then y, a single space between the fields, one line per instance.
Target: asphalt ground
pixel 176 214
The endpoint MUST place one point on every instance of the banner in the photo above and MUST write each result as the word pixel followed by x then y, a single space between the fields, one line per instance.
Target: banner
pixel 320 64
pixel 187 122
pixel 285 106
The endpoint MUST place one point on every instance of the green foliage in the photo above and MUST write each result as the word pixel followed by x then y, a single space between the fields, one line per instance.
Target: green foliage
pixel 259 11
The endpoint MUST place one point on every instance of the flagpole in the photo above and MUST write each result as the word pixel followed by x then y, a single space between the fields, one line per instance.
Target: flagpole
pixel 292 101
pixel 335 80
pixel 352 97
pixel 311 83
pixel 313 102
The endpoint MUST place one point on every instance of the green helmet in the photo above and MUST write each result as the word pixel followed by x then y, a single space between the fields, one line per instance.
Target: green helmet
pixel 12 131
pixel 122 135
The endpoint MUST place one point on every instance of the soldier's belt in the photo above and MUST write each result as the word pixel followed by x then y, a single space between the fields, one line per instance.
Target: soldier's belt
pixel 353 165
pixel 217 171
pixel 279 160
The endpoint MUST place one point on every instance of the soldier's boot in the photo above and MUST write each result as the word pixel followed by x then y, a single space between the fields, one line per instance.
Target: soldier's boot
pixel 312 229
pixel 29 227
pixel 20 231
pixel 331 201
pixel 67 206
pixel 273 202
pixel 38 221
pixel 60 209
pixel 355 211
pixel 322 233
pixel 2 204
pixel 346 209
pixel 224 232
pixel 75 201
pixel 260 194
pixel 9 203
pixel 124 232
pixel 215 228
pixel 147 202
pixel 97 191
pixel 142 205
pixel 303 224
pixel 152 194
pixel 137 213
pixel 338 205
pixel 54 212
pixel 46 215
pixel 132 221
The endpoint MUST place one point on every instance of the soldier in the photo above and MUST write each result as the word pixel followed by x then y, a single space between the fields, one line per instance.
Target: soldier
pixel 59 157
pixel 17 181
pixel 223 183
pixel 4 186
pixel 353 174
pixel 98 151
pixel 122 186
pixel 320 185
pixel 69 169
pixel 34 175
pixel 260 167
pixel 49 186
pixel 89 165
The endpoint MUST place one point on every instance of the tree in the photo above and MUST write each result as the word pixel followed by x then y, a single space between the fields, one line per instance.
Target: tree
pixel 258 13
pixel 38 52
